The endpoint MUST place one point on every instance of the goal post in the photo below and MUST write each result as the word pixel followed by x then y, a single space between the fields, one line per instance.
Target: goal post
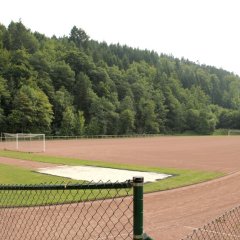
pixel 25 142
pixel 234 132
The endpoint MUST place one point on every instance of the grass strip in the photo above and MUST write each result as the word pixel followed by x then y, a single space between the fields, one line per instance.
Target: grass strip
pixel 16 175
pixel 180 177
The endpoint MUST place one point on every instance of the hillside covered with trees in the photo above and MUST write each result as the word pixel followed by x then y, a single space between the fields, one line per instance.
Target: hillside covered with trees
pixel 74 85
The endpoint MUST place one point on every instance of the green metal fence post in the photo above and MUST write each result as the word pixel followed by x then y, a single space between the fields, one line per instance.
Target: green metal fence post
pixel 138 208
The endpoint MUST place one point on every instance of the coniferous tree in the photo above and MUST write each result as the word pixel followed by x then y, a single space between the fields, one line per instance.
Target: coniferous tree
pixel 75 85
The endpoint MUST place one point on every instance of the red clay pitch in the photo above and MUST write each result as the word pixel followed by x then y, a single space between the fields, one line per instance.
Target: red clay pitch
pixel 201 153
pixel 171 214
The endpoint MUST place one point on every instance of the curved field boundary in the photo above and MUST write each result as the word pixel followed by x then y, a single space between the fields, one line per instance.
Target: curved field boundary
pixel 171 214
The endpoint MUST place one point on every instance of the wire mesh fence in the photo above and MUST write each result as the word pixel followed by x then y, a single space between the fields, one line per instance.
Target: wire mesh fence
pixel 225 227
pixel 58 137
pixel 73 211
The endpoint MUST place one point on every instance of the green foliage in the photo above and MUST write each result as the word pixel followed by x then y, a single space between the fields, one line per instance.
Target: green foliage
pixel 221 132
pixel 75 85
pixel 68 122
pixel 2 119
pixel 79 124
pixel 82 93
pixel 147 122
pixel 2 33
pixel 105 119
pixel 79 37
pixel 31 111
pixel 62 75
pixel 207 122
pixel 18 37
pixel 4 93
pixel 229 118
pixel 127 118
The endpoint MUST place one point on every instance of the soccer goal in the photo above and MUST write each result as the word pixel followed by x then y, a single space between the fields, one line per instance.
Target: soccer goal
pixel 234 132
pixel 24 142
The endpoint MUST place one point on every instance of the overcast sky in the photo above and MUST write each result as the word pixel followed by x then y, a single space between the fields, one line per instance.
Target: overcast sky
pixel 206 31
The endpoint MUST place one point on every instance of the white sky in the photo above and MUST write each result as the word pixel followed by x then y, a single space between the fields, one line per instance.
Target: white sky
pixel 206 31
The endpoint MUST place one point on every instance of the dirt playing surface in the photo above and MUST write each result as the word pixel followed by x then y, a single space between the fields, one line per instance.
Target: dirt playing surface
pixel 171 214
pixel 174 214
pixel 201 153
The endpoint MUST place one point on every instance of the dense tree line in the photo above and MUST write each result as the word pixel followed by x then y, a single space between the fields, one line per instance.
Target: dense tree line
pixel 73 85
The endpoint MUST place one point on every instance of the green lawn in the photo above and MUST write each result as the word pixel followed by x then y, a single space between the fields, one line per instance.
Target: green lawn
pixel 11 175
pixel 16 175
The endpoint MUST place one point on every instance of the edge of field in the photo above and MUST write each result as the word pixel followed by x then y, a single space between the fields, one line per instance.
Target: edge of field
pixel 181 177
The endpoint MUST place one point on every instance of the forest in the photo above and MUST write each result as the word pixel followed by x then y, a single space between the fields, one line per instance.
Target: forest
pixel 74 85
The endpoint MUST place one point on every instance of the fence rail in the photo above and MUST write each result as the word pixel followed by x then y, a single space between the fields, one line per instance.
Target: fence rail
pixel 102 136
pixel 225 227
pixel 72 211
pixel 58 137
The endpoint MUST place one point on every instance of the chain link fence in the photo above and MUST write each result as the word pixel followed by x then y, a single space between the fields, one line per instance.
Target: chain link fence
pixel 58 137
pixel 72 211
pixel 225 227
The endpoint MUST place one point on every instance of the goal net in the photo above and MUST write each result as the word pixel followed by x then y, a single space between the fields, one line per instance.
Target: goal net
pixel 233 132
pixel 24 142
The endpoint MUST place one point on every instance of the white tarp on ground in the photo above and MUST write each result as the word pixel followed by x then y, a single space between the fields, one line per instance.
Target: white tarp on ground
pixel 97 174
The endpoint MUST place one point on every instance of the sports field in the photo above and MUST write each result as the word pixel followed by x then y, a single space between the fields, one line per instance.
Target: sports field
pixel 170 214
pixel 201 153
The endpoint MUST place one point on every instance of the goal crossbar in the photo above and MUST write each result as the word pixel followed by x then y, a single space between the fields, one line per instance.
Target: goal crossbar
pixel 27 142
pixel 232 132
